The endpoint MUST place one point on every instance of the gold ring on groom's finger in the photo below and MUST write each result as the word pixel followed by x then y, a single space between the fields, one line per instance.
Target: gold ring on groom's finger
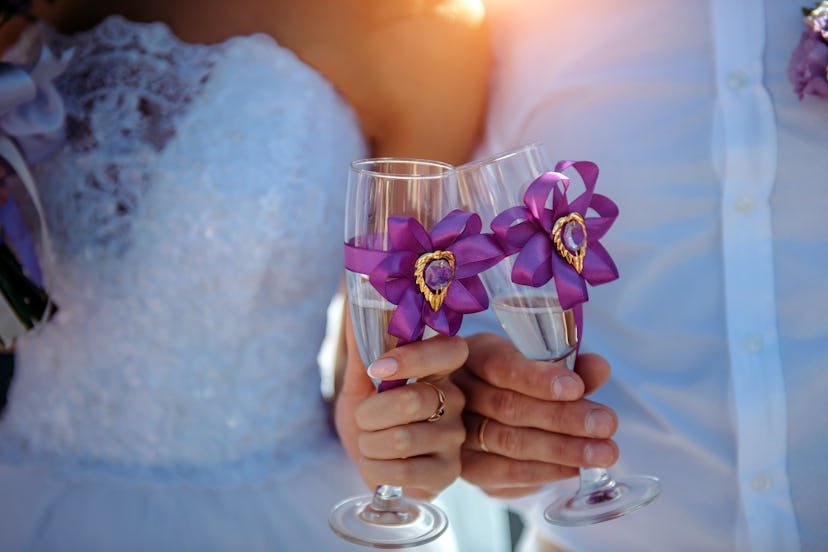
pixel 480 431
pixel 441 403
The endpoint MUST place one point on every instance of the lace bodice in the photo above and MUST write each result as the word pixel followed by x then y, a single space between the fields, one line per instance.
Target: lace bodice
pixel 196 215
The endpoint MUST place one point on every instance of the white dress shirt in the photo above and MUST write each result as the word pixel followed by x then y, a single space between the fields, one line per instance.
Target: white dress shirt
pixel 717 329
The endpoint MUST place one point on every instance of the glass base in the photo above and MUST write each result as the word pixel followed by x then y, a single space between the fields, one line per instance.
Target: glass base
pixel 412 523
pixel 625 496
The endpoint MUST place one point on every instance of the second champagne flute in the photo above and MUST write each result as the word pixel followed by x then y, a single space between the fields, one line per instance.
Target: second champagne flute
pixel 538 291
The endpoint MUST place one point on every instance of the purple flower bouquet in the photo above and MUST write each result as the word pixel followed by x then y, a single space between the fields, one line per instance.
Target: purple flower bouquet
pixel 808 68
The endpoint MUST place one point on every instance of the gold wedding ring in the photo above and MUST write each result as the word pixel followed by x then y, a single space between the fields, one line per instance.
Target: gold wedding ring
pixel 480 431
pixel 441 403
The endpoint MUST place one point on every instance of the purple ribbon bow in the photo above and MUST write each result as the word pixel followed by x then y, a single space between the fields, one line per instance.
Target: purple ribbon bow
pixel 394 273
pixel 432 278
pixel 560 242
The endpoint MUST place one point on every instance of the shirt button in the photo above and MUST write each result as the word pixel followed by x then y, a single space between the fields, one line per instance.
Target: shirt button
pixel 761 482
pixel 737 79
pixel 753 344
pixel 744 205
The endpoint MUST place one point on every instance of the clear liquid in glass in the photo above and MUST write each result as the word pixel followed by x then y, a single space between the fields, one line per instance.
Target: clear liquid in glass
pixel 538 326
pixel 371 314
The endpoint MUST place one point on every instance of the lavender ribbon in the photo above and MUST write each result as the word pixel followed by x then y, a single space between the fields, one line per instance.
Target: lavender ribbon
pixel 32 119
pixel 528 231
pixel 392 273
pixel 31 109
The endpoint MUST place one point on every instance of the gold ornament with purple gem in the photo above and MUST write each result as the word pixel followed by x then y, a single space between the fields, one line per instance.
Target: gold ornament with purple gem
pixel 434 273
pixel 570 238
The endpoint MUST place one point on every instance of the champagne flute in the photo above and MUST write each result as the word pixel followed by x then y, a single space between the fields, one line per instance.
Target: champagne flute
pixel 539 327
pixel 379 189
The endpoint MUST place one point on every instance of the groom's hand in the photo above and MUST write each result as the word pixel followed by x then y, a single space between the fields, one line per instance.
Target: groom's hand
pixel 527 422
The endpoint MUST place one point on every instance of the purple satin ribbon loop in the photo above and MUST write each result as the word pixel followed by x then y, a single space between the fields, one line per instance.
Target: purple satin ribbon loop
pixel 528 231
pixel 513 228
pixel 407 234
pixel 479 252
pixel 599 267
pixel 389 277
pixel 570 285
pixel 597 226
pixel 457 226
pixel 407 322
pixel 362 260
pixel 392 272
pixel 466 296
pixel 533 266
pixel 551 182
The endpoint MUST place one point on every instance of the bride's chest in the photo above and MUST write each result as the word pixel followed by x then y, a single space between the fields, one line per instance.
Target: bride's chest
pixel 209 150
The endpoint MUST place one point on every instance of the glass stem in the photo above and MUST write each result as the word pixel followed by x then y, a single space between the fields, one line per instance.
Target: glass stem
pixel 387 498
pixel 597 486
pixel 389 507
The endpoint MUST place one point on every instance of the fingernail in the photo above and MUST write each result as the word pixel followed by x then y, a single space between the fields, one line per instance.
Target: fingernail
pixel 599 423
pixel 598 454
pixel 382 368
pixel 565 387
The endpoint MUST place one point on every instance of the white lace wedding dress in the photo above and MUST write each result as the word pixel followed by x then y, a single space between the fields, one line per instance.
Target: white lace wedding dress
pixel 173 402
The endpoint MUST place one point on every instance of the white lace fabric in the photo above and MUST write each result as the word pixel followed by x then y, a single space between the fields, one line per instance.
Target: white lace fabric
pixel 196 217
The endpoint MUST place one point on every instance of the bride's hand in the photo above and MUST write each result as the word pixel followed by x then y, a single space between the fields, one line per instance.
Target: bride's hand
pixel 398 437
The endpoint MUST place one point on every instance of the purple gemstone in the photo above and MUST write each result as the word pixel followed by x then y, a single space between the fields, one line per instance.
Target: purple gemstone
pixel 574 236
pixel 438 274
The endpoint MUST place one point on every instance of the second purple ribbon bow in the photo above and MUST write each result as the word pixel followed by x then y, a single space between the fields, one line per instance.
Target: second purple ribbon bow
pixel 560 242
